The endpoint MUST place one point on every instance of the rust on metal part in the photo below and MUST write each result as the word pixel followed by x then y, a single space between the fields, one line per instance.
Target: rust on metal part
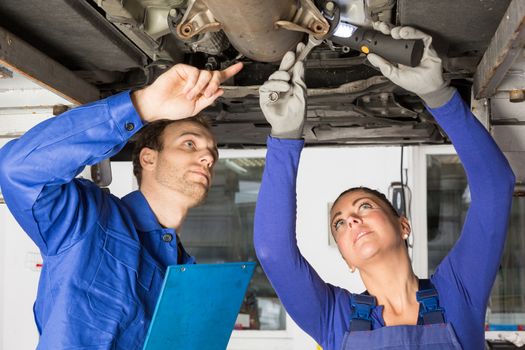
pixel 506 46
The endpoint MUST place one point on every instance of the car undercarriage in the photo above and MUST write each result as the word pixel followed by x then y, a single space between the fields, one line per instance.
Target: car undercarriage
pixel 114 45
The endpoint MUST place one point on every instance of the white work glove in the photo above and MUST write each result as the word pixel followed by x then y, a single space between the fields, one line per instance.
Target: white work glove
pixel 425 80
pixel 287 113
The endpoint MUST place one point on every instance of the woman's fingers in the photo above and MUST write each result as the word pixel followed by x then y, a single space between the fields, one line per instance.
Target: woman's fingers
pixel 408 33
pixel 280 75
pixel 383 27
pixel 300 47
pixel 287 61
pixel 275 86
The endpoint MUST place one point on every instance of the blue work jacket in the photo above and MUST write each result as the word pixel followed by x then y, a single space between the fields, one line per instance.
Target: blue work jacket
pixel 104 257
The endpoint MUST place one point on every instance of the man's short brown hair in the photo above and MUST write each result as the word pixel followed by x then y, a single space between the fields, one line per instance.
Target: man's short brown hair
pixel 150 136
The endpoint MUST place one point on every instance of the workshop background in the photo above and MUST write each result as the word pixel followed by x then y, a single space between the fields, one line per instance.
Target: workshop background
pixel 436 195
pixel 487 60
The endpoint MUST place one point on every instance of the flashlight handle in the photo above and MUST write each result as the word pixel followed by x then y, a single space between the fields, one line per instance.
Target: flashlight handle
pixel 407 52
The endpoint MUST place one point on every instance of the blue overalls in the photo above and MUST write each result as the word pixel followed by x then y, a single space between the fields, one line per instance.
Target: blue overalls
pixel 431 332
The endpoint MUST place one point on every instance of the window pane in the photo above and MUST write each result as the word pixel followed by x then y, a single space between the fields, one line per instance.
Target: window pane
pixel 448 199
pixel 507 303
pixel 221 230
pixel 447 204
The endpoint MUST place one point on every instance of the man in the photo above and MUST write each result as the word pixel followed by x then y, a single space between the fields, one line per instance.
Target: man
pixel 104 257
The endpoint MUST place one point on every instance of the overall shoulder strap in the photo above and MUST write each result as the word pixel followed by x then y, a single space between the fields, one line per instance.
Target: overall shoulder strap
pixel 429 310
pixel 362 306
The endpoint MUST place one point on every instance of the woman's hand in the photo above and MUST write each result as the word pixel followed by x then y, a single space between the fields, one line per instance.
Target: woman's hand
pixel 283 97
pixel 425 80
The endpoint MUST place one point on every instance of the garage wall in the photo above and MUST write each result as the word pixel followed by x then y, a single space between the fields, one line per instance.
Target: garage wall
pixel 323 174
pixel 19 285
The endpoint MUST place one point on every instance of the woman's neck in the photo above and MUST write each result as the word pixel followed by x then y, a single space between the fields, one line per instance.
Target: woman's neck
pixel 394 284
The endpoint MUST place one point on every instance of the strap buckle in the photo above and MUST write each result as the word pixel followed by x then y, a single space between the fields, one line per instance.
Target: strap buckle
pixel 430 310
pixel 362 306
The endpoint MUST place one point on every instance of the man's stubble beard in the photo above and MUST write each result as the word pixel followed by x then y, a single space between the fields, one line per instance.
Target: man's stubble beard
pixel 176 179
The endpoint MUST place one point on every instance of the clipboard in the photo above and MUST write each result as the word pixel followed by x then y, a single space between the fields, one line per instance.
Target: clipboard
pixel 198 306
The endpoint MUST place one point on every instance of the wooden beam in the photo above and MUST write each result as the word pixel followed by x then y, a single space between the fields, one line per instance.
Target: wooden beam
pixel 21 57
pixel 506 46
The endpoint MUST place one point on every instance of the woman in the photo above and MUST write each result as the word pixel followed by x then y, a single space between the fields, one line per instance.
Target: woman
pixel 398 311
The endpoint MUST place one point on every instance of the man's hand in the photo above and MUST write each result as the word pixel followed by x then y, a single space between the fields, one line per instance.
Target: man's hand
pixel 285 114
pixel 425 80
pixel 181 92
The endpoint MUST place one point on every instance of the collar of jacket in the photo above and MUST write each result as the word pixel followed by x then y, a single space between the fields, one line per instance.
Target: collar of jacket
pixel 146 221
pixel 143 216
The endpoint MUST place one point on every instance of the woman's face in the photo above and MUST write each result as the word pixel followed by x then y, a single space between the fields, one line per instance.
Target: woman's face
pixel 365 228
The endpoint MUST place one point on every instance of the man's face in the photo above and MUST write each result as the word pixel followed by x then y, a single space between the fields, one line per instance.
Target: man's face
pixel 186 161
